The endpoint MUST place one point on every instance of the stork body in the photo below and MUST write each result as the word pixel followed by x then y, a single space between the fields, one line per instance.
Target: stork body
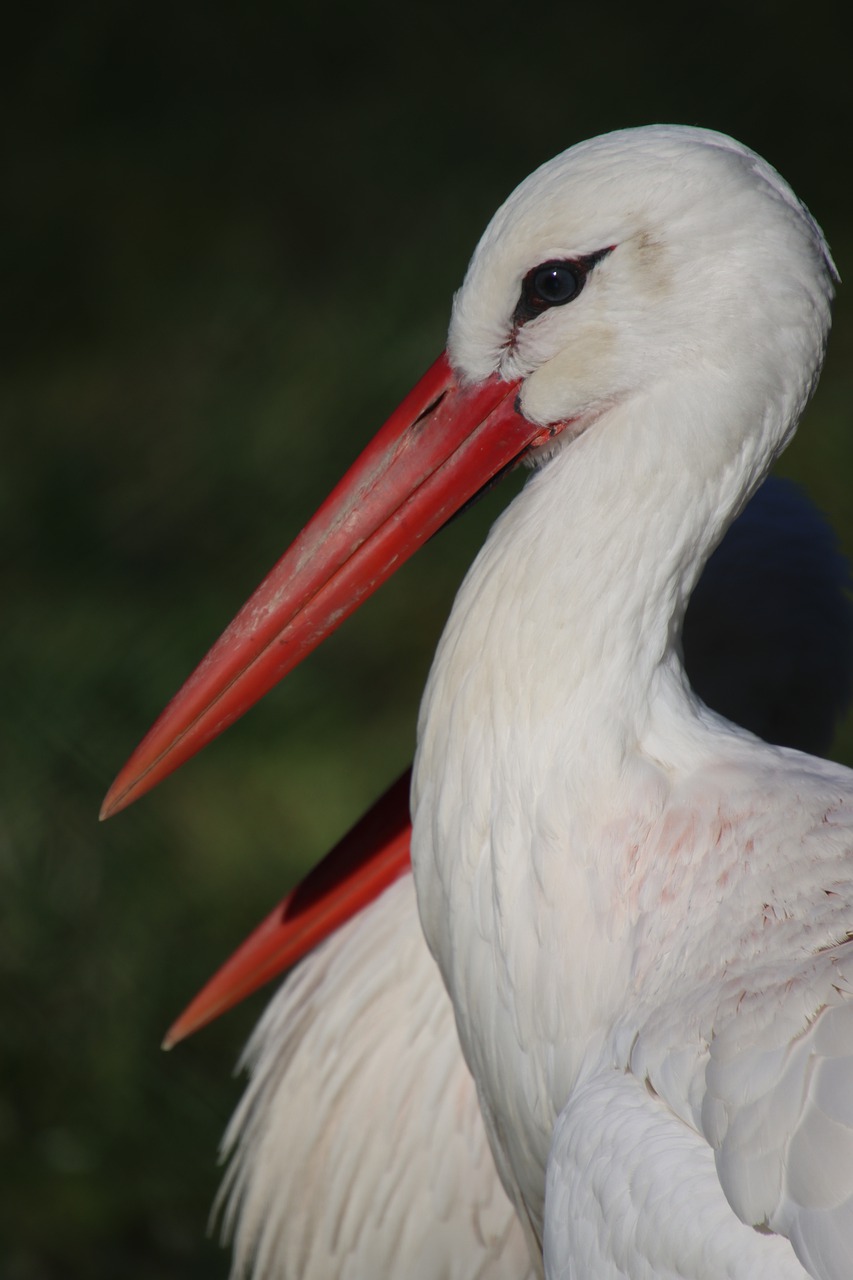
pixel 641 912
pixel 356 1062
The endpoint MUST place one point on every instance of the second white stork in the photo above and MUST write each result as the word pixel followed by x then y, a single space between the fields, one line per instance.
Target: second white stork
pixel 640 912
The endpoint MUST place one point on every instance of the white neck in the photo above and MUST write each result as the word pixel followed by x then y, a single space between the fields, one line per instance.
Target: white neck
pixel 566 630
pixel 554 689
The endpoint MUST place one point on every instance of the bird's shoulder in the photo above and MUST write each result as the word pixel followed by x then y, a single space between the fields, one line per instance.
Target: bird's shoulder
pixel 755 848
pixel 754 1046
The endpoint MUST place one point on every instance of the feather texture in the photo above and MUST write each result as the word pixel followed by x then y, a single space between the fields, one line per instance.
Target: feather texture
pixel 349 1160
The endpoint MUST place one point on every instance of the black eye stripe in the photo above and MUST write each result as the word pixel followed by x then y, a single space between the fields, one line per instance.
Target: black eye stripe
pixel 553 284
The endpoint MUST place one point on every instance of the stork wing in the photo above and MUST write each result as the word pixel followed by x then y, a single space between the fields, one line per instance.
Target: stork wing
pixel 632 1191
pixel 779 1112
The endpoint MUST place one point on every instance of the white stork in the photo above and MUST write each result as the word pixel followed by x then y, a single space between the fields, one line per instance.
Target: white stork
pixel 356 1063
pixel 641 913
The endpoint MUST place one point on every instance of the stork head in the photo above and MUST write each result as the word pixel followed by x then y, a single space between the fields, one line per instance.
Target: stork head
pixel 626 261
pixel 632 257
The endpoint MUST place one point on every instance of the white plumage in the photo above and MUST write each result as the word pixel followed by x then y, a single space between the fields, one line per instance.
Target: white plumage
pixel 358 1149
pixel 356 1063
pixel 634 904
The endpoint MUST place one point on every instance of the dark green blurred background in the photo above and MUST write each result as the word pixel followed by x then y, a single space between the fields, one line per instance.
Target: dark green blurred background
pixel 230 240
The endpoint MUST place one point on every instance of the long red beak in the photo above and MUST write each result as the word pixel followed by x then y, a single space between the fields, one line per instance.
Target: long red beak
pixel 370 857
pixel 440 447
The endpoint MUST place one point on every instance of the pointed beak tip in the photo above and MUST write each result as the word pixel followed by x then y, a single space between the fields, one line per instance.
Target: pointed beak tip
pixel 112 804
pixel 130 784
pixel 181 1029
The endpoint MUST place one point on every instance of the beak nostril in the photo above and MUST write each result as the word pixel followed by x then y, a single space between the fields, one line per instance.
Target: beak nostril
pixel 430 409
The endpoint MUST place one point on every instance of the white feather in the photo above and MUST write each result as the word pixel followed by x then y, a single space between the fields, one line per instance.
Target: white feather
pixel 350 1160
pixel 618 885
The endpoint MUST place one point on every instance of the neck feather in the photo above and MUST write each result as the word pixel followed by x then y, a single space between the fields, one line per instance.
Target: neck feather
pixel 565 634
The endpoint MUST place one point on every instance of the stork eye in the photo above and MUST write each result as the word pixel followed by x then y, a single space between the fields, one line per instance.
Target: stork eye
pixel 553 284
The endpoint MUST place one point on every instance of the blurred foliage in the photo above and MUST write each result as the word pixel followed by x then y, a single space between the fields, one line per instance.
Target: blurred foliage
pixel 231 236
